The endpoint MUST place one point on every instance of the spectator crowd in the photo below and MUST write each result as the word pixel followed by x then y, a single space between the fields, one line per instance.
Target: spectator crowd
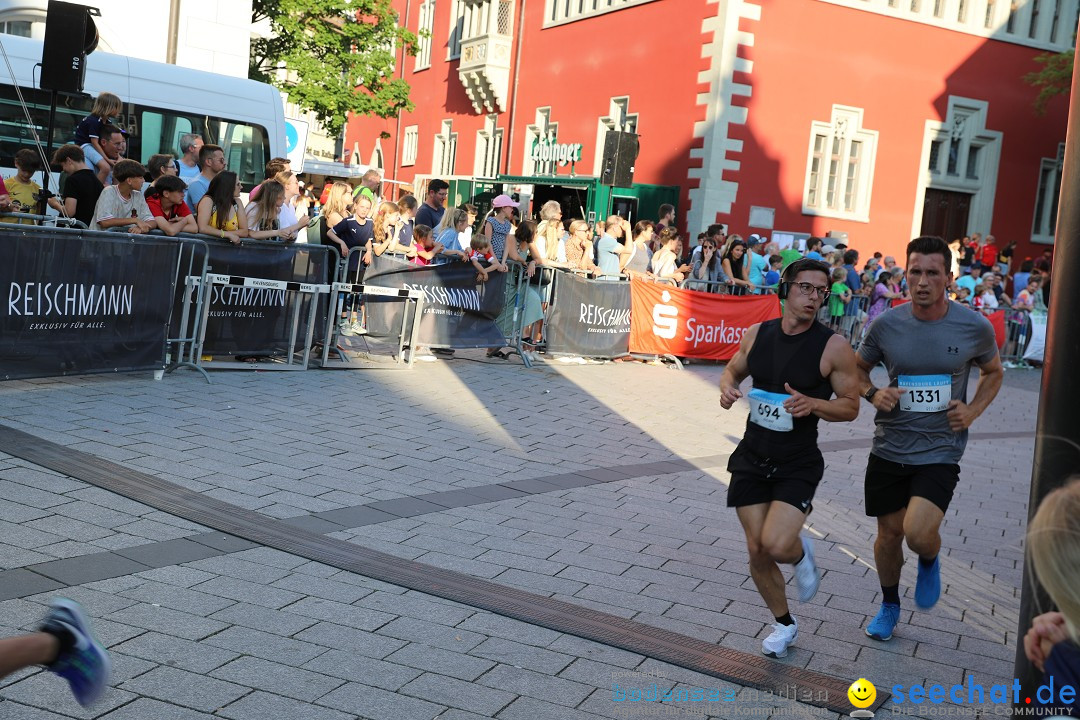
pixel 195 192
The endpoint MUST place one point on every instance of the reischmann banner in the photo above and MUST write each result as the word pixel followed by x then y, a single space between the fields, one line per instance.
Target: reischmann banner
pixel 76 303
pixel 254 320
pixel 458 311
pixel 590 318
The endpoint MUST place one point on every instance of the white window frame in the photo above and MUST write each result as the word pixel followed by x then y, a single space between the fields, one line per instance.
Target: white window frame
pixel 1044 220
pixel 542 128
pixel 489 142
pixel 842 131
pixel 444 154
pixel 410 143
pixel 560 12
pixel 965 120
pixel 618 118
pixel 459 17
pixel 1042 24
pixel 425 21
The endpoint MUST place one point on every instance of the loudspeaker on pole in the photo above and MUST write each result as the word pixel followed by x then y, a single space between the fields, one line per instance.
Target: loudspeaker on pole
pixel 70 35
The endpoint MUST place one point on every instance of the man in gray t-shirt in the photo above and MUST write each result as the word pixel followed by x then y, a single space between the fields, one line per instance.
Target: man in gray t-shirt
pixel 928 347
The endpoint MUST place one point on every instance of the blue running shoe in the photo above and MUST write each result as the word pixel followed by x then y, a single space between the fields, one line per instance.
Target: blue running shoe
pixel 928 585
pixel 82 661
pixel 881 627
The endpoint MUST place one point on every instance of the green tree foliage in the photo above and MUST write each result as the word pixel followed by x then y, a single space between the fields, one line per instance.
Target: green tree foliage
pixel 337 56
pixel 1053 79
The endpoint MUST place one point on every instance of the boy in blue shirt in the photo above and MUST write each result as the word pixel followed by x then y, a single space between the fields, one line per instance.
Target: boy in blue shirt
pixel 772 278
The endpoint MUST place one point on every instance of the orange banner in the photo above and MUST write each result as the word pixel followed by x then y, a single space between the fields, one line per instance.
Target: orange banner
pixel 666 320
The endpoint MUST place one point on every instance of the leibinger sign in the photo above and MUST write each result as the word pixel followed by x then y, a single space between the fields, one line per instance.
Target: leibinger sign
pixel 547 150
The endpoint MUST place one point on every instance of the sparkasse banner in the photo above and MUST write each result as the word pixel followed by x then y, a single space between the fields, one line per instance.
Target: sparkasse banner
pixel 687 323
pixel 76 303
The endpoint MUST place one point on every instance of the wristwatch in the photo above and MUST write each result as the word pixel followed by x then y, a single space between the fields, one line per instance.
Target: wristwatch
pixel 869 394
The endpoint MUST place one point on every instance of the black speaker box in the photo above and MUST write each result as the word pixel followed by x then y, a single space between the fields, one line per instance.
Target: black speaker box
pixel 70 34
pixel 620 154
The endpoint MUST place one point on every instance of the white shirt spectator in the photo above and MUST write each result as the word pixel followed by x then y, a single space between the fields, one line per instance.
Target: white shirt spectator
pixel 287 218
pixel 111 204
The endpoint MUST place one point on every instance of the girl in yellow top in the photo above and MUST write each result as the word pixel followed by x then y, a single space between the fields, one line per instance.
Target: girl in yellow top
pixel 220 213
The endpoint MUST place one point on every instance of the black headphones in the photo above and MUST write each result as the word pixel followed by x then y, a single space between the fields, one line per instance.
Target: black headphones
pixel 797 267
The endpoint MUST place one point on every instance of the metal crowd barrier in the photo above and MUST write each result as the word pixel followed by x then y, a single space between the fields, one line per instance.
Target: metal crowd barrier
pixel 1017 336
pixel 410 325
pixel 182 339
pixel 520 284
pixel 852 323
pixel 543 284
pixel 296 289
pixel 45 220
pixel 709 286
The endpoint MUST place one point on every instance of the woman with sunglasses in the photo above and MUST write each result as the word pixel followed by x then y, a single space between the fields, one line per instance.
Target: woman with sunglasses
pixel 707 267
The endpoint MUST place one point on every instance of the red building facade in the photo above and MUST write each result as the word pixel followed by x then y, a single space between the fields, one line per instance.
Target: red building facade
pixel 880 119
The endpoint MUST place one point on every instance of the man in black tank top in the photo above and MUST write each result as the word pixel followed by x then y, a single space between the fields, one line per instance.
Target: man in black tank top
pixel 797 364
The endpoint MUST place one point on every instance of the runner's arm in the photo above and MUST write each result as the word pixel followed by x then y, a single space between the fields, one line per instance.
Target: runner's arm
pixel 844 376
pixel 886 398
pixel 737 369
pixel 961 415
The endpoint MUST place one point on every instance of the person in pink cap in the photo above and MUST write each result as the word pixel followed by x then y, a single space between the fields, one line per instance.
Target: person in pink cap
pixel 498 226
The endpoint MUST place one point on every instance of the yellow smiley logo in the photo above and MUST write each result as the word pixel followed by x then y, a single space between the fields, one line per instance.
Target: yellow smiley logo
pixel 862 693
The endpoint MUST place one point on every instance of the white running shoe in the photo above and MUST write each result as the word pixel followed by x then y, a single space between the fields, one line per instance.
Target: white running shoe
pixel 345 327
pixel 358 329
pixel 807 577
pixel 782 637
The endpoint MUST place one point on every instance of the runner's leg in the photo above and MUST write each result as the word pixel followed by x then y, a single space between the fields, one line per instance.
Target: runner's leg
pixel 24 651
pixel 780 533
pixel 889 558
pixel 921 527
pixel 889 547
pixel 763 569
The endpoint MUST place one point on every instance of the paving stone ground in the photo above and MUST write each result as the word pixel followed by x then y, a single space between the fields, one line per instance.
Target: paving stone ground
pixel 232 630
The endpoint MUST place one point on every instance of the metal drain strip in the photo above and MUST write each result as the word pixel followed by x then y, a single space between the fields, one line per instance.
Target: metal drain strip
pixel 754 671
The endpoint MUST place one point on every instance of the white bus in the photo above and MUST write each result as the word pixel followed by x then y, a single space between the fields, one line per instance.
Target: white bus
pixel 161 103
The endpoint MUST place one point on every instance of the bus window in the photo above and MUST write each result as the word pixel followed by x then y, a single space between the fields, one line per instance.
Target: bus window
pixel 150 131
pixel 161 133
pixel 15 132
pixel 246 146
pixel 247 150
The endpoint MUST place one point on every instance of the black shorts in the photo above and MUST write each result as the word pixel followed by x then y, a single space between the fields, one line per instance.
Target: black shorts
pixel 890 485
pixel 756 480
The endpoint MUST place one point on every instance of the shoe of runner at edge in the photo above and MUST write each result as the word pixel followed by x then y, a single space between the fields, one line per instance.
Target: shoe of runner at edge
pixel 781 638
pixel 85 665
pixel 807 576
pixel 881 627
pixel 928 585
